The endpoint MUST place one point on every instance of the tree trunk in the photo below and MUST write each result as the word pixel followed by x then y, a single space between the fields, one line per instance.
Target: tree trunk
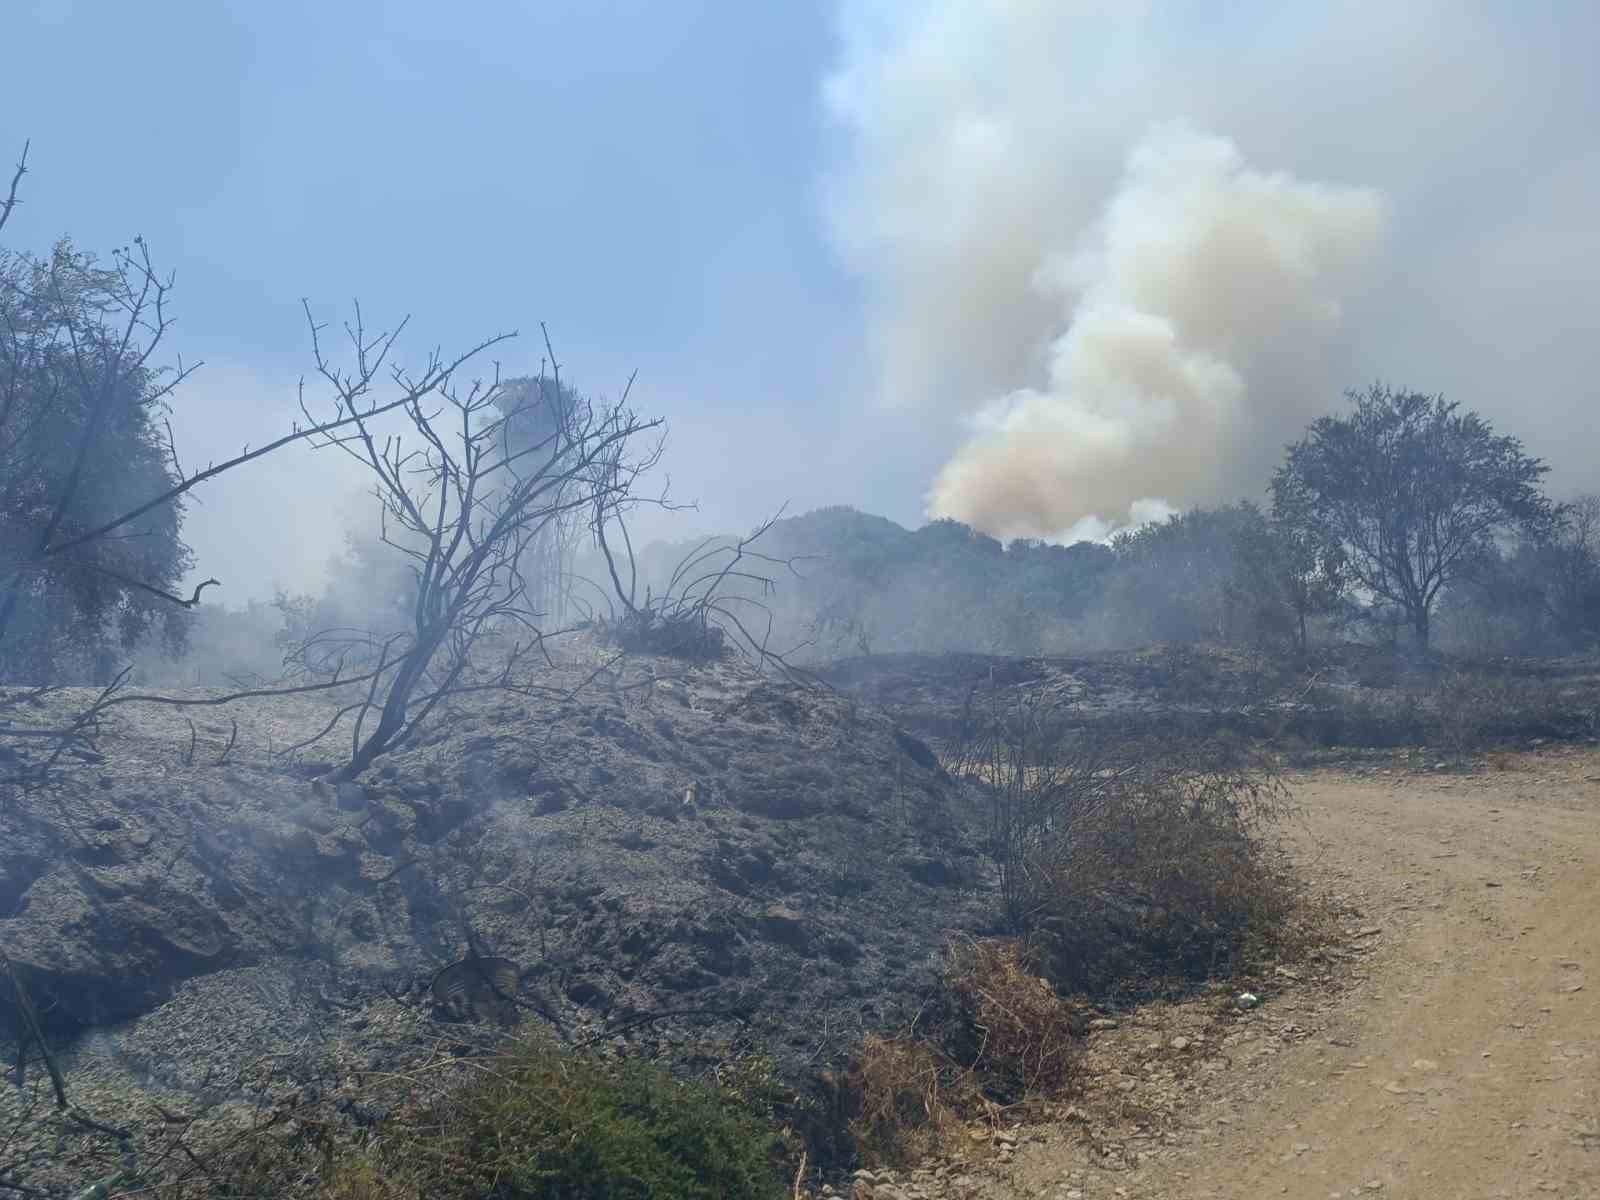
pixel 1419 625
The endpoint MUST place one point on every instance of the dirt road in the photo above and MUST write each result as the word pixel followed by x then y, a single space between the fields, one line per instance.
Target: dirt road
pixel 1463 1061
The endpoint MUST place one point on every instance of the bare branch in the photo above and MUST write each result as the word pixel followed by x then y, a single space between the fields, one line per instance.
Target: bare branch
pixel 429 382
pixel 16 180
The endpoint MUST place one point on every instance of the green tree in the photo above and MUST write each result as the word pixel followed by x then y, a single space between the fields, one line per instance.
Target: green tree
pixel 1414 491
pixel 1173 578
pixel 1570 574
pixel 1285 574
pixel 82 442
pixel 1537 595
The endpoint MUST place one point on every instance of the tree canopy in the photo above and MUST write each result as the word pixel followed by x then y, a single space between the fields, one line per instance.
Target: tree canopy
pixel 81 442
pixel 1413 491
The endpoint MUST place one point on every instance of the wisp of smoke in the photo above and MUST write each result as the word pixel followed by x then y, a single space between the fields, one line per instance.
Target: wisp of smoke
pixel 1172 325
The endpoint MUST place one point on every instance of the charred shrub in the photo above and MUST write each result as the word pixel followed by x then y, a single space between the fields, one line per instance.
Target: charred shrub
pixel 904 1101
pixel 1128 862
pixel 1473 709
pixel 668 629
pixel 714 599
pixel 992 1035
pixel 998 1020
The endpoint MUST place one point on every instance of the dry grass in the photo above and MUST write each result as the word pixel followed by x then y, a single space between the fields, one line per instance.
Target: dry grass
pixel 993 1038
pixel 904 1102
pixel 1004 1024
pixel 1129 863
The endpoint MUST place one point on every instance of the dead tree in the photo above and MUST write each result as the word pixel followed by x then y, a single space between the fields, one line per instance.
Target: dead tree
pixel 98 348
pixel 464 505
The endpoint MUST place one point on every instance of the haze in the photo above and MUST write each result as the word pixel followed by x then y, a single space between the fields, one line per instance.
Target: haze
pixel 1045 268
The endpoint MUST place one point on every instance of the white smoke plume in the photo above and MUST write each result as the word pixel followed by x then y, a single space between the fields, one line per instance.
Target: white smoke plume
pixel 1193 319
pixel 1118 310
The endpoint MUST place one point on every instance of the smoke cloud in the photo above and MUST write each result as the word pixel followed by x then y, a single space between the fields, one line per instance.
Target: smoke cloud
pixel 1167 381
pixel 1126 258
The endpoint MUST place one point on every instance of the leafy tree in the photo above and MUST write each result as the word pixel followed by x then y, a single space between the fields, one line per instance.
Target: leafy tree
pixel 1571 570
pixel 1538 595
pixel 1068 580
pixel 1173 580
pixel 1414 491
pixel 81 442
pixel 1285 574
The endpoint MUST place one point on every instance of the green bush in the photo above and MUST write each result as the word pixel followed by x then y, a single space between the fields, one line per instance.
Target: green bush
pixel 533 1122
pixel 543 1124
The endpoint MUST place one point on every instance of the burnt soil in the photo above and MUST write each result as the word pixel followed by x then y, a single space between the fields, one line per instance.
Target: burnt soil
pixel 710 859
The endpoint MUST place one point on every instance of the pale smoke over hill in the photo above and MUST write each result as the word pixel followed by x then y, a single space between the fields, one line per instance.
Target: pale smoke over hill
pixel 1168 379
pixel 1070 261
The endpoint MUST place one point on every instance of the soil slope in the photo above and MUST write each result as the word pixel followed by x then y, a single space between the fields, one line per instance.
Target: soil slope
pixel 778 862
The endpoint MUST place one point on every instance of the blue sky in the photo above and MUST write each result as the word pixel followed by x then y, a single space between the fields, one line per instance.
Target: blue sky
pixel 625 171
pixel 769 210
pixel 643 177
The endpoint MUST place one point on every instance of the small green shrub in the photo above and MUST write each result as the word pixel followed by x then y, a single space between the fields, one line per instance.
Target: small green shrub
pixel 535 1122
pixel 543 1124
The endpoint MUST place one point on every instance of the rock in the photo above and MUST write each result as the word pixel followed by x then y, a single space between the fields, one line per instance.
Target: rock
pixel 1101 1023
pixel 931 872
pixel 788 928
pixel 1181 1043
pixel 350 797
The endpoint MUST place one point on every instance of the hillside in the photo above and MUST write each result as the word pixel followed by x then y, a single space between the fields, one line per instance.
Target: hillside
pixel 712 861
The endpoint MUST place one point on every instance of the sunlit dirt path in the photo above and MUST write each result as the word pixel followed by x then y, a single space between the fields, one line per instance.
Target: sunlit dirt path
pixel 1466 1062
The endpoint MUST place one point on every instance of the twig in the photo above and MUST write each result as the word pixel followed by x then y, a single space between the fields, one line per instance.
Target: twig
pixel 232 739
pixel 662 1015
pixel 16 180
pixel 30 1021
